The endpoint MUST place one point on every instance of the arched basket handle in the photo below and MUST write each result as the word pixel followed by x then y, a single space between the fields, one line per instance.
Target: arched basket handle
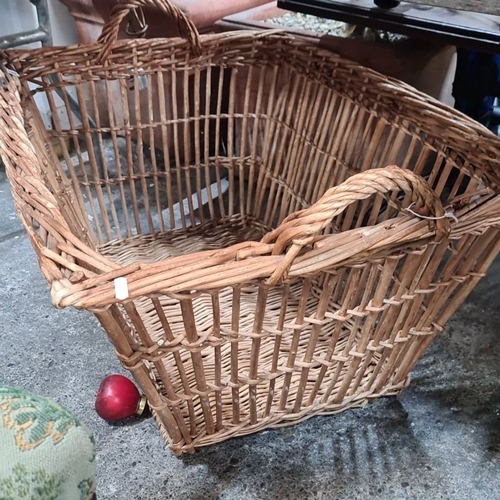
pixel 300 228
pixel 109 34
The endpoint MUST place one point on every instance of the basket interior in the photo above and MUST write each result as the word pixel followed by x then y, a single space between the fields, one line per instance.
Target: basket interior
pixel 150 150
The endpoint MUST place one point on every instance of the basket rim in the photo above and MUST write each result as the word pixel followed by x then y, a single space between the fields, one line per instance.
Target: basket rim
pixel 394 98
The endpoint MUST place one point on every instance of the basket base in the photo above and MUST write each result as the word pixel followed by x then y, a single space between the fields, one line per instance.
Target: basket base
pixel 288 420
pixel 148 248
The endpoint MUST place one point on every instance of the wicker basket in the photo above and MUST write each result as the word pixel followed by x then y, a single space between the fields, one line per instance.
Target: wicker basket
pixel 223 218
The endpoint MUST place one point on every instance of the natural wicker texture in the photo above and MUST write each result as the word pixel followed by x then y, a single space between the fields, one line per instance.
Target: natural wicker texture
pixel 273 273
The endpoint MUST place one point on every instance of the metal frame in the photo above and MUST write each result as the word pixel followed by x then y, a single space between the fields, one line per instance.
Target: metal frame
pixel 41 34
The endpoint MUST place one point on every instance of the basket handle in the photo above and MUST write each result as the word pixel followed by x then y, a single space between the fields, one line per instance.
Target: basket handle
pixel 300 228
pixel 109 33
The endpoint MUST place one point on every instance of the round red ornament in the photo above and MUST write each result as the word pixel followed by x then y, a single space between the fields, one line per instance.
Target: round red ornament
pixel 118 398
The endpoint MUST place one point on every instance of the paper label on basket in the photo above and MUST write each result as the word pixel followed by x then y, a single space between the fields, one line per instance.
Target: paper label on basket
pixel 121 288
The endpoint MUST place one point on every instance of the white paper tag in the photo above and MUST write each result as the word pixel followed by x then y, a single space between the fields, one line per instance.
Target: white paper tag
pixel 121 288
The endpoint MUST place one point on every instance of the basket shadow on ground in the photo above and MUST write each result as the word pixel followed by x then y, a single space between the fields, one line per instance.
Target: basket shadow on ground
pixel 353 452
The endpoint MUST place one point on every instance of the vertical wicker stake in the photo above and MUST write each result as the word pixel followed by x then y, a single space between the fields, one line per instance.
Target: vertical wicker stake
pixel 197 360
pixel 381 282
pixel 141 374
pixel 297 326
pixel 352 289
pixel 277 344
pixel 217 361
pixel 319 316
pixel 260 310
pixel 380 313
pixel 235 328
pixel 142 331
pixel 178 362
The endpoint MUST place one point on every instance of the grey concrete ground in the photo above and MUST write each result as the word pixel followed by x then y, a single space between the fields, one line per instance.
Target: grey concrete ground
pixel 440 439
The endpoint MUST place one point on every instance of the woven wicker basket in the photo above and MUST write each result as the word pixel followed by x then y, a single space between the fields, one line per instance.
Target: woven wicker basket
pixel 223 218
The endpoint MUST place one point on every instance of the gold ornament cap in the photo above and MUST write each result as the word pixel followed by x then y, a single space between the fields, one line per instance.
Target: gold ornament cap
pixel 141 406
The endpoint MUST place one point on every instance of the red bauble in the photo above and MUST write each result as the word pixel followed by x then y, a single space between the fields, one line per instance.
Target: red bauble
pixel 118 398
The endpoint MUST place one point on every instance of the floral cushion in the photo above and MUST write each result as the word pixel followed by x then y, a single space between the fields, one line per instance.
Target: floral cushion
pixel 46 453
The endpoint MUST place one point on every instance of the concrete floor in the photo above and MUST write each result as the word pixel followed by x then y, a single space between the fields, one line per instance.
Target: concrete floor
pixel 440 439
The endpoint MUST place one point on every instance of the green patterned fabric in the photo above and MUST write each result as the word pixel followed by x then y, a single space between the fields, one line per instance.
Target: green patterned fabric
pixel 45 452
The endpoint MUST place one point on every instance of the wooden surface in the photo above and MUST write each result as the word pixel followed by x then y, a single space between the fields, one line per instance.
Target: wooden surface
pixel 467 29
pixel 486 6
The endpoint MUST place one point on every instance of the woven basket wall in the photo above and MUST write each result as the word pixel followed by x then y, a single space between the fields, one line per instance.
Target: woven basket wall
pixel 273 270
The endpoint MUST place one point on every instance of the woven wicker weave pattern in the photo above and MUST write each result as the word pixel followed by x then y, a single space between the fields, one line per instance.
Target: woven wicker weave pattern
pixel 274 273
